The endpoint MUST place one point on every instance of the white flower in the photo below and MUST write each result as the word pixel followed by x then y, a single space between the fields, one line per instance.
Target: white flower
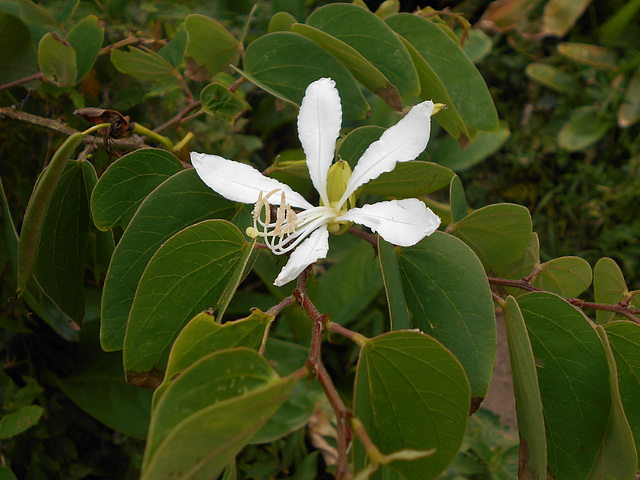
pixel 401 222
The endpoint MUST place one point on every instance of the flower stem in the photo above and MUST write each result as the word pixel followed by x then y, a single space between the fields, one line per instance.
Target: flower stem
pixel 164 141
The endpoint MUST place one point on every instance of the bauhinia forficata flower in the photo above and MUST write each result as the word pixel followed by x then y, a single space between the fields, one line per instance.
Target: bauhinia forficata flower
pixel 303 229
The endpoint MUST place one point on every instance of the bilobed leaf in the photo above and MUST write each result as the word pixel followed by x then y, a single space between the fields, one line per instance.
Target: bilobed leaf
pixel 18 58
pixel 609 287
pixel 566 276
pixel 59 267
pixel 142 63
pixel 210 44
pixel 618 456
pixel 189 273
pixel 86 38
pixel 373 39
pixel 552 77
pixel 560 15
pixel 585 126
pixel 125 184
pixel 533 445
pixel 624 338
pixel 202 444
pixel 218 101
pixel 592 55
pixel 203 335
pixel 178 202
pixel 38 205
pixel 57 60
pixel 173 52
pixel 574 382
pixel 458 313
pixel 464 84
pixel 497 233
pixel 358 65
pixel 19 421
pixel 285 63
pixel 398 312
pixel 409 390
pixel 629 111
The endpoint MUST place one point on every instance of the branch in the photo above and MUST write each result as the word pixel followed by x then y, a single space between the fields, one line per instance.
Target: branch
pixel 180 116
pixel 20 81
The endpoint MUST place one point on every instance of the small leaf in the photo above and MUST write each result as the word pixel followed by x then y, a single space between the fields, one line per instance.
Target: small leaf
pixel 57 60
pixel 86 38
pixel 218 101
pixel 18 58
pixel 125 184
pixel 281 22
pixel 566 276
pixel 409 389
pixel 585 127
pixel 629 111
pixel 560 15
pixel 592 55
pixel 210 44
pixel 173 52
pixel 142 63
pixel 478 45
pixel 188 274
pixel 17 422
pixel 552 77
pixel 497 233
pixel 609 287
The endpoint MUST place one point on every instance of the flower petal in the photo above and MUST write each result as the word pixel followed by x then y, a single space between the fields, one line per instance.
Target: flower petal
pixel 400 143
pixel 319 124
pixel 401 222
pixel 241 183
pixel 313 248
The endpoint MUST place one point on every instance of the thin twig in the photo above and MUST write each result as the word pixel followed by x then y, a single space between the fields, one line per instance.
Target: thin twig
pixel 20 81
pixel 372 239
pixel 179 117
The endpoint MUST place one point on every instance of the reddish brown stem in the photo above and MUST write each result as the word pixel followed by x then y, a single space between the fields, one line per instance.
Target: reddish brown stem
pixel 180 116
pixel 276 309
pixel 20 81
pixel 372 239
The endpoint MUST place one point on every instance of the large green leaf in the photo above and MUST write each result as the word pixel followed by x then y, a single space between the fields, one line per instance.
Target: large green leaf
pixel 411 393
pixel 189 273
pixel 373 39
pixel 210 44
pixel 566 276
pixel 142 63
pixel 59 268
pixel 57 60
pixel 464 84
pixel 497 233
pixel 609 287
pixel 125 184
pixel 533 445
pixel 618 455
pixel 285 63
pixel 574 383
pixel 86 38
pixel 175 204
pixel 448 297
pixel 200 445
pixel 624 338
pixel 173 52
pixel 398 311
pixel 18 57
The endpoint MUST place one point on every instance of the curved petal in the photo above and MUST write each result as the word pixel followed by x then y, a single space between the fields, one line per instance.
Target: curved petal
pixel 313 248
pixel 319 124
pixel 241 183
pixel 401 222
pixel 400 143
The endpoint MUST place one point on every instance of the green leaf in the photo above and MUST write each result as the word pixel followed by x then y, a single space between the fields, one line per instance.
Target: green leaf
pixel 617 23
pixel 142 63
pixel 210 44
pixel 189 273
pixel 458 199
pixel 409 390
pixel 9 235
pixel 609 287
pixel 6 473
pixel 478 45
pixel 574 382
pixel 566 276
pixel 173 52
pixel 281 22
pixel 533 445
pixel 218 101
pixel 203 336
pixel 410 180
pixel 585 126
pixel 629 111
pixel 285 63
pixel 33 13
pixel 463 82
pixel 447 151
pixel 57 60
pixel 359 66
pixel 86 38
pixel 591 55
pixel 552 77
pixel 560 15
pixel 59 267
pixel 624 338
pixel 373 39
pixel 354 144
pixel 522 267
pixel 34 216
pixel 618 456
pixel 398 311
pixel 458 314
pixel 125 184
pixel 497 233
pixel 179 201
pixel 17 422
pixel 203 443
pixel 18 57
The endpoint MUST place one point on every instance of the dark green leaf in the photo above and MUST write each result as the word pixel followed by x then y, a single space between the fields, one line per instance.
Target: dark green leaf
pixel 57 60
pixel 173 52
pixel 6 473
pixel 609 287
pixel 566 276
pixel 629 111
pixel 218 101
pixel 458 200
pixel 522 267
pixel 125 184
pixel 409 390
pixel 410 180
pixel 210 44
pixel 18 57
pixel 142 63
pixel 398 312
pixel 17 422
pixel 179 202
pixel 9 234
pixel 86 38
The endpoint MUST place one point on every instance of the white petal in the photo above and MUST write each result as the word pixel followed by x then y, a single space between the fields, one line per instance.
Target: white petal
pixel 313 248
pixel 241 183
pixel 401 222
pixel 400 143
pixel 319 124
